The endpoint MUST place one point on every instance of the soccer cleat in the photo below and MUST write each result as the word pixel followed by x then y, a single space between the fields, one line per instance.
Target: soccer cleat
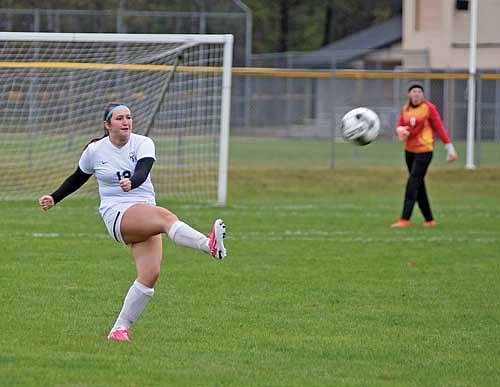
pixel 401 223
pixel 216 240
pixel 119 335
pixel 430 223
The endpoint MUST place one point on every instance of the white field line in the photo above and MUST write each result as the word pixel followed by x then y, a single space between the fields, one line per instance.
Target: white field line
pixel 331 206
pixel 360 240
pixel 52 235
pixel 305 235
pixel 352 237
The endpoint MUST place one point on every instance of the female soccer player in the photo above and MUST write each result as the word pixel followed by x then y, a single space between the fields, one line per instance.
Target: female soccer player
pixel 122 161
pixel 418 123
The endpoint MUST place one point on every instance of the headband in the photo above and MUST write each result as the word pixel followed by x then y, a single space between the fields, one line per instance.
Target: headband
pixel 108 116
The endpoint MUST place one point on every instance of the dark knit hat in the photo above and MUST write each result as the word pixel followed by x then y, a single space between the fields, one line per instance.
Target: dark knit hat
pixel 415 85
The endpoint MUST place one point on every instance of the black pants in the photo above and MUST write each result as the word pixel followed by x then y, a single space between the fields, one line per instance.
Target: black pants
pixel 415 187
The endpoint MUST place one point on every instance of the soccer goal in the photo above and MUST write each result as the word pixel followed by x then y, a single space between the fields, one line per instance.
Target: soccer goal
pixel 54 87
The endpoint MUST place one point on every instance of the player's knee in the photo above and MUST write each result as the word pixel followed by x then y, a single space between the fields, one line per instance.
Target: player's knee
pixel 168 217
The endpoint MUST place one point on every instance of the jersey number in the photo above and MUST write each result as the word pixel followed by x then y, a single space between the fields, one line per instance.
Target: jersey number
pixel 126 175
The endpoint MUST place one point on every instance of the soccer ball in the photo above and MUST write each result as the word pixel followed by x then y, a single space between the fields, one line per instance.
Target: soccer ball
pixel 360 126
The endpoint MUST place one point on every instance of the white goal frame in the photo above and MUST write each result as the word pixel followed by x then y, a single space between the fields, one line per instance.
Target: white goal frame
pixel 225 39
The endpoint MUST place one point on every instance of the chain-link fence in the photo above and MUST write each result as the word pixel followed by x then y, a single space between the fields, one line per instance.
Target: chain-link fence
pixel 294 104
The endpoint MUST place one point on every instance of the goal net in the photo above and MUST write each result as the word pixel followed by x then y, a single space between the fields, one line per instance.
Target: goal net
pixel 54 88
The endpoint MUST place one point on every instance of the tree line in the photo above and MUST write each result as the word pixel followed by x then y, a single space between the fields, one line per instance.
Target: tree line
pixel 278 25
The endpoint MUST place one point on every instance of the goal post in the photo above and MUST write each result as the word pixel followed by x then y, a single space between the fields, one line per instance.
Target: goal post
pixel 54 87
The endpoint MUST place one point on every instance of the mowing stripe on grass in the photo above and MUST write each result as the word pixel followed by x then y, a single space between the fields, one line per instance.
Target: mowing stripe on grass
pixel 298 235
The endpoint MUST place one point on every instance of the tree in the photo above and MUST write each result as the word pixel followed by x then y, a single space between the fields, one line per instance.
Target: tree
pixel 278 25
pixel 296 25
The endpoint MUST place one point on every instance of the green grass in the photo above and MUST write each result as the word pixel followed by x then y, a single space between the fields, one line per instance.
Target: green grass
pixel 37 167
pixel 286 153
pixel 317 290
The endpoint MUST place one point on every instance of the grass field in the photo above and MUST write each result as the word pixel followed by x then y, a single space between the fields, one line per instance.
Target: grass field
pixel 317 290
pixel 300 153
pixel 42 162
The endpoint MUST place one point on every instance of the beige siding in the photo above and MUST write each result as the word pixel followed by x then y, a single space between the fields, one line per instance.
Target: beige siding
pixel 429 15
pixel 444 31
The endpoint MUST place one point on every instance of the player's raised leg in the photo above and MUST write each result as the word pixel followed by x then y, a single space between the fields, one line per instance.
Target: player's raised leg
pixel 142 221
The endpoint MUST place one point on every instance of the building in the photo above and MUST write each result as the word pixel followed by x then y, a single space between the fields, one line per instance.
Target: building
pixel 443 28
pixel 428 35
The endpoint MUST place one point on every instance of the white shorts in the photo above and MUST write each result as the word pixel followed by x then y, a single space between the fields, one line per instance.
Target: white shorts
pixel 112 217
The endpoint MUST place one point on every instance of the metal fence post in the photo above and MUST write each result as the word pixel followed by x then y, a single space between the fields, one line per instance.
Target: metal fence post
pixel 333 120
pixel 477 123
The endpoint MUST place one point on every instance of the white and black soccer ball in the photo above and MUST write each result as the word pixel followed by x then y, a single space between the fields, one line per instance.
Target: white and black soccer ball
pixel 360 126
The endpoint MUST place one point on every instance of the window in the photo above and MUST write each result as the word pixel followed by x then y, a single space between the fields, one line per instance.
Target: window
pixel 462 5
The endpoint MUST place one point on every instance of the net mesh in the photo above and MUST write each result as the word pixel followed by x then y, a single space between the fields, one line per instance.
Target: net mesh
pixel 52 99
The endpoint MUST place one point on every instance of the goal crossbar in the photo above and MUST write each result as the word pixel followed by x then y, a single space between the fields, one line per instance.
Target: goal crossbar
pixel 113 38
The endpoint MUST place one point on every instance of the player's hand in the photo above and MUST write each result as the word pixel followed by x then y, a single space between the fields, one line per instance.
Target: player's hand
pixel 126 184
pixel 402 132
pixel 46 202
pixel 451 154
